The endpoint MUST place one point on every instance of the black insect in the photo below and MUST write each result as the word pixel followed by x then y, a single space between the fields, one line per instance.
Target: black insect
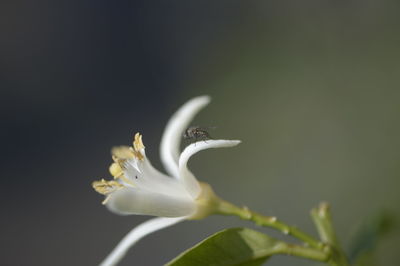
pixel 195 133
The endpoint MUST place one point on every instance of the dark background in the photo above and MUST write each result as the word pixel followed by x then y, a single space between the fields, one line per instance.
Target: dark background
pixel 312 89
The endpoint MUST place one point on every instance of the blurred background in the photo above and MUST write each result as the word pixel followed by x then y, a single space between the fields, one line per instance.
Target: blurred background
pixel 311 88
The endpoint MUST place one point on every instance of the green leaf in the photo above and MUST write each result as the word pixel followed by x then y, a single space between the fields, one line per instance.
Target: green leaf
pixel 236 246
pixel 368 236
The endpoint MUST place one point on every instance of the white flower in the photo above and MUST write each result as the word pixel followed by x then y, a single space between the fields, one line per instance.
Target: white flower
pixel 139 188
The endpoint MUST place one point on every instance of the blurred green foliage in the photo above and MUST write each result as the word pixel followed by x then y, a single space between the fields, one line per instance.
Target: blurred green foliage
pixel 365 242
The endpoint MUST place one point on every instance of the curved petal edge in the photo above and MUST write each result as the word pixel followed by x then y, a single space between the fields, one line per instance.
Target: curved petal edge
pixel 135 235
pixel 171 139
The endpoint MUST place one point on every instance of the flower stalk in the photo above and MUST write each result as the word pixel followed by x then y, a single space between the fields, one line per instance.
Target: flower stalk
pixel 227 208
pixel 325 250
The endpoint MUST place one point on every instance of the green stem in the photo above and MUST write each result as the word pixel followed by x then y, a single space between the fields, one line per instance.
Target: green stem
pixel 301 251
pixel 323 221
pixel 226 208
pixel 328 250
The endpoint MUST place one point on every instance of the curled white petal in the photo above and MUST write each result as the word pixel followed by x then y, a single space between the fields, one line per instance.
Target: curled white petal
pixel 135 235
pixel 144 176
pixel 190 182
pixel 138 201
pixel 171 139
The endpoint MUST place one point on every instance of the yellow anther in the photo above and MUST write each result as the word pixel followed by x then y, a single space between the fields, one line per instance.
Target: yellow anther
pixel 138 143
pixel 138 146
pixel 106 187
pixel 122 152
pixel 115 170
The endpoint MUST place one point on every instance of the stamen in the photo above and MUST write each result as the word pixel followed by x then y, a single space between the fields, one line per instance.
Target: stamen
pixel 119 155
pixel 106 187
pixel 138 146
pixel 122 152
pixel 115 170
pixel 138 143
pixel 106 200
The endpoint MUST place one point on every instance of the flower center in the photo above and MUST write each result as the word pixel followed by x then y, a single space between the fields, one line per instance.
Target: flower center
pixel 120 156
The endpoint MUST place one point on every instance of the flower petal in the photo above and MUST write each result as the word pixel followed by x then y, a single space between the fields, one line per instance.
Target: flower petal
pixel 171 140
pixel 135 235
pixel 144 176
pixel 138 201
pixel 189 180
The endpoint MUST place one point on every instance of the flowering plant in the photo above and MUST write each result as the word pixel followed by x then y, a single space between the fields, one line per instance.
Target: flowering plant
pixel 138 188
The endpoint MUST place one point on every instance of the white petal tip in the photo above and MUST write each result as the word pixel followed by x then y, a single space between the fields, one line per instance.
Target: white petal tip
pixel 216 143
pixel 235 142
pixel 208 144
pixel 205 97
pixel 201 100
